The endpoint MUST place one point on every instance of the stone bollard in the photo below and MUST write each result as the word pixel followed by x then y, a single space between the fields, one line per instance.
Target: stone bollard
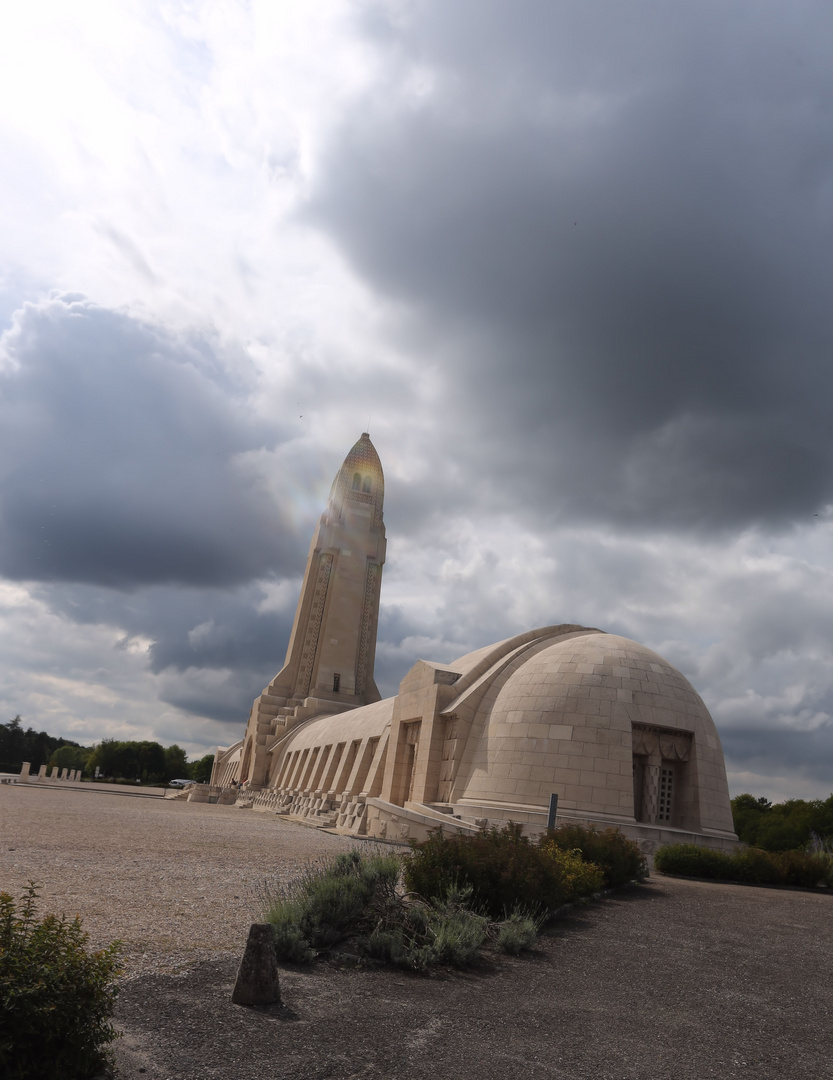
pixel 63 774
pixel 42 772
pixel 24 771
pixel 257 979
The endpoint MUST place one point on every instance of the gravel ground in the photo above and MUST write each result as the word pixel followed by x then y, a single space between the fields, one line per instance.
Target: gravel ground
pixel 673 979
pixel 177 882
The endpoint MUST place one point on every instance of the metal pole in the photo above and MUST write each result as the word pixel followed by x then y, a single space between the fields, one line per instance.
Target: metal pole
pixel 553 811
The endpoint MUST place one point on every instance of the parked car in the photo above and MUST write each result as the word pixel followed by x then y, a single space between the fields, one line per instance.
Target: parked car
pixel 179 783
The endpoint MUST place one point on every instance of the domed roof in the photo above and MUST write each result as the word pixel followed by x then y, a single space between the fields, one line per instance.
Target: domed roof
pixel 560 718
pixel 360 479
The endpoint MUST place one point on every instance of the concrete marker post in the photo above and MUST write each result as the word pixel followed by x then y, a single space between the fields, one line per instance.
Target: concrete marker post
pixel 257 978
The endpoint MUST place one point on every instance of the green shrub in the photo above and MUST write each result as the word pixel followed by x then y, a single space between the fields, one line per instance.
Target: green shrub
pixel 417 935
pixel 455 931
pixel 328 902
pixel 503 868
pixel 56 999
pixel 389 946
pixel 620 858
pixel 755 867
pixel 751 865
pixel 460 891
pixel 802 868
pixel 517 932
pixel 691 860
pixel 578 878
pixel 357 895
pixel 290 943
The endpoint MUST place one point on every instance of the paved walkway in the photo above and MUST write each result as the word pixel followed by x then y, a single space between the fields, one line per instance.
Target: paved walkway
pixel 674 980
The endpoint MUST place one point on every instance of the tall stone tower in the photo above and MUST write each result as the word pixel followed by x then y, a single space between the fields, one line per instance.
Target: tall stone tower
pixel 332 648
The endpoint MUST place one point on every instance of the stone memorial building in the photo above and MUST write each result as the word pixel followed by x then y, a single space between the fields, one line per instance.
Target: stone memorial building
pixel 614 730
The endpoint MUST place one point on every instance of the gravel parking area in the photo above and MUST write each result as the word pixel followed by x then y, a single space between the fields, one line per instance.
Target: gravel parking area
pixel 673 980
pixel 173 880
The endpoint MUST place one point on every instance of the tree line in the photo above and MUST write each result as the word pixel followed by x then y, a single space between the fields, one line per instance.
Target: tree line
pixel 783 826
pixel 147 761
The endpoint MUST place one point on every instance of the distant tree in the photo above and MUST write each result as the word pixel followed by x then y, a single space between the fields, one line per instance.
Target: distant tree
pixel 130 760
pixel 200 770
pixel 11 743
pixel 18 745
pixel 781 826
pixel 151 762
pixel 111 759
pixel 176 763
pixel 71 757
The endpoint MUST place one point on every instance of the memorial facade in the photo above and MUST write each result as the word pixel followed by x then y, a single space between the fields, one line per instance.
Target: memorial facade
pixel 612 729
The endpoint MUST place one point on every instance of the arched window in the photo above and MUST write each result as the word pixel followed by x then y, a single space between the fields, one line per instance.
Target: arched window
pixel 366 484
pixel 357 481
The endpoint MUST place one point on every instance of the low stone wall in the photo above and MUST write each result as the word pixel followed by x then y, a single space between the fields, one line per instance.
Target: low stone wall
pixel 25 777
pixel 212 793
pixel 648 837
pixel 361 815
pixel 390 822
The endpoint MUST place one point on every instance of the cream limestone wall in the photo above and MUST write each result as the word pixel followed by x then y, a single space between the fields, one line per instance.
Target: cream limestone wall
pixel 561 719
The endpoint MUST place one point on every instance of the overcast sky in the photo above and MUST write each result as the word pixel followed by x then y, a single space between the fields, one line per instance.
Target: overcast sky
pixel 571 261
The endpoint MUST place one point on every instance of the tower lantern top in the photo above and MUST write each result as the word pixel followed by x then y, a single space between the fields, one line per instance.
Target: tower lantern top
pixel 359 480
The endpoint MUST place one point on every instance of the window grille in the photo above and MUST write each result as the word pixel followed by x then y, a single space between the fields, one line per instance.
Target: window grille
pixel 666 794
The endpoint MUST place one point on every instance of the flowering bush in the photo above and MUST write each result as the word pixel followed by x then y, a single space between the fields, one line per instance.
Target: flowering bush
pixel 620 858
pixel 579 878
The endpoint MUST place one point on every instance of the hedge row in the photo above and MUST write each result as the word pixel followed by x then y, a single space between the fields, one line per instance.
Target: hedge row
pixel 751 865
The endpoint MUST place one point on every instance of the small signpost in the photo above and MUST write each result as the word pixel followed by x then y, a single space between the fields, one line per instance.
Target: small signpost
pixel 553 811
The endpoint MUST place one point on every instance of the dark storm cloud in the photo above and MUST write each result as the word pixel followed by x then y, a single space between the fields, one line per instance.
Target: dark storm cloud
pixel 120 447
pixel 622 216
pixel 781 751
pixel 225 632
